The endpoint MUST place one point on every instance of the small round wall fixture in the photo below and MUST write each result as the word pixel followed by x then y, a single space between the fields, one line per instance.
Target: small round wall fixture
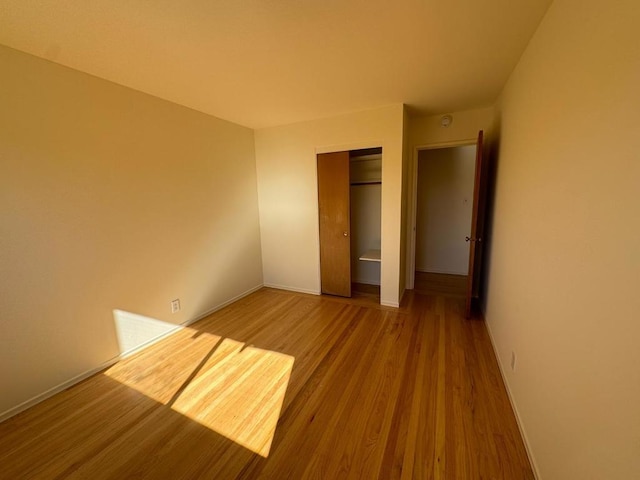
pixel 446 120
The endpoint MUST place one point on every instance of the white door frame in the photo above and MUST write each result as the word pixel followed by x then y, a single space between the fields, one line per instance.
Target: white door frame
pixel 413 201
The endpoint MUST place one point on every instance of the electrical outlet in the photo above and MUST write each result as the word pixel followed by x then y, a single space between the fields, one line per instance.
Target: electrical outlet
pixel 175 305
pixel 513 361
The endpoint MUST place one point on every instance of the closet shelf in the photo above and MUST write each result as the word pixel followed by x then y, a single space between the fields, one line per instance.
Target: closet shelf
pixel 370 256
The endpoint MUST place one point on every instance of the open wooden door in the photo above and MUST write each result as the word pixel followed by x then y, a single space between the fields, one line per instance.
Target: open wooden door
pixel 477 228
pixel 335 232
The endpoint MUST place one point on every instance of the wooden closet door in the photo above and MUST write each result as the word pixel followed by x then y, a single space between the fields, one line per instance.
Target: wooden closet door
pixel 335 232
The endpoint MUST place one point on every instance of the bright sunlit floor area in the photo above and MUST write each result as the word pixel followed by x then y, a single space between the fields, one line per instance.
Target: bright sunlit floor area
pixel 285 385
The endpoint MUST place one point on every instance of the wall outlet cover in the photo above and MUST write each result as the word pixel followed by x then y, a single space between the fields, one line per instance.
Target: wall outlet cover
pixel 175 305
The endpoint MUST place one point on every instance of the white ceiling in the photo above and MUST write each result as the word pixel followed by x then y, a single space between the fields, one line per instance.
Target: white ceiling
pixel 269 62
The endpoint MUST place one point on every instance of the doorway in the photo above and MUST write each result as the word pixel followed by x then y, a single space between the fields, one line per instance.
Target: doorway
pixel 474 238
pixel 444 210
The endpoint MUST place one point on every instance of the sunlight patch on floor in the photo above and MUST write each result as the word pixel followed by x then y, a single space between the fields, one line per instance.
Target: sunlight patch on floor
pixel 240 395
pixel 235 391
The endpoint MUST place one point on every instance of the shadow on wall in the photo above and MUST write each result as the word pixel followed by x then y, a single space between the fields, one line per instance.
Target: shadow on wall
pixel 492 153
pixel 197 298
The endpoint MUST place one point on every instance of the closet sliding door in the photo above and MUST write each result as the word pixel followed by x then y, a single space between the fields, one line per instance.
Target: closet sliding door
pixel 335 230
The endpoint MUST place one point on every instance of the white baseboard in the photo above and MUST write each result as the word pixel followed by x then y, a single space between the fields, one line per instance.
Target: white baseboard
pixel 387 303
pixel 222 305
pixel 390 304
pixel 52 391
pixel 186 323
pixel 292 289
pixel 78 378
pixel 523 432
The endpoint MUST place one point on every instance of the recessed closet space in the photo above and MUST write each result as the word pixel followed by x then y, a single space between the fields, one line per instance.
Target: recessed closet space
pixel 365 175
pixel 349 208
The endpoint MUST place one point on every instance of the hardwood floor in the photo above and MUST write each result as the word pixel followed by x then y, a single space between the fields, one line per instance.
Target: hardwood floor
pixel 364 293
pixel 373 393
pixel 441 284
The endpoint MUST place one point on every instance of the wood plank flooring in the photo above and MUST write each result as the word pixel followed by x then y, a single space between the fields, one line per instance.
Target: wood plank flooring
pixel 441 284
pixel 373 393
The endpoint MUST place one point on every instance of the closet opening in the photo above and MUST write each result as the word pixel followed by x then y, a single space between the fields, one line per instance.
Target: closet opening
pixel 350 204
pixel 365 175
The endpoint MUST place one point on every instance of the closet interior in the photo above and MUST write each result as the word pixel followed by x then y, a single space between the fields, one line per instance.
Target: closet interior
pixel 365 178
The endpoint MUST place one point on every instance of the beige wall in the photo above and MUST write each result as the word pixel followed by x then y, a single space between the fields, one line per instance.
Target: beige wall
pixel 445 200
pixel 565 255
pixel 110 199
pixel 288 197
pixel 427 131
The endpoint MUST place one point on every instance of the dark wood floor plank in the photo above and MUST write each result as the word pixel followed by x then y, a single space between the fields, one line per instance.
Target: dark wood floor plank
pixel 440 284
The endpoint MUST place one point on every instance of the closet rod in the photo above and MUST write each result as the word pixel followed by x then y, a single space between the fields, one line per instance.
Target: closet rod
pixel 377 182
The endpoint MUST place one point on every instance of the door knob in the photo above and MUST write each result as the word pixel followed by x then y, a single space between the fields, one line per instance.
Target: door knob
pixel 345 234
